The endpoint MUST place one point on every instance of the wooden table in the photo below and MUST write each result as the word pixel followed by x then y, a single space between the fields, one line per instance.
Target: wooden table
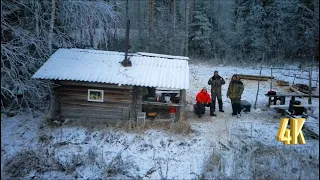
pixel 161 105
pixel 282 97
pixel 282 107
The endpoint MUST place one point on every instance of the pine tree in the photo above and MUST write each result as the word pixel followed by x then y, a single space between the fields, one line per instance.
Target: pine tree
pixel 304 29
pixel 271 27
pixel 199 31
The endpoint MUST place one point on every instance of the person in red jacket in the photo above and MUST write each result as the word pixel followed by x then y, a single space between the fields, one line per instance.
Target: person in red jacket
pixel 203 100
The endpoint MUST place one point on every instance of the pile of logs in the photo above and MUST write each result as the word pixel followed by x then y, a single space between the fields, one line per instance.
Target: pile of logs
pixel 302 88
pixel 282 83
pixel 254 77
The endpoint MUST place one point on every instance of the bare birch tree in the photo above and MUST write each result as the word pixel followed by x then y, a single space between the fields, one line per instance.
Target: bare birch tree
pixel 31 31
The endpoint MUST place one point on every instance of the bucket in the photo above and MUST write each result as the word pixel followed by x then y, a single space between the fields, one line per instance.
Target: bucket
pixel 167 97
pixel 172 110
pixel 172 117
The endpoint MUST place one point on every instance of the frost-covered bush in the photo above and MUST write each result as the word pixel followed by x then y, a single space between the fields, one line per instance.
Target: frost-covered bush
pixel 92 154
pixel 68 160
pixel 26 162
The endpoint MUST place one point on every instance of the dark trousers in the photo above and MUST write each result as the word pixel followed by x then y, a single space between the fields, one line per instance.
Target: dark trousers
pixel 236 107
pixel 200 108
pixel 213 103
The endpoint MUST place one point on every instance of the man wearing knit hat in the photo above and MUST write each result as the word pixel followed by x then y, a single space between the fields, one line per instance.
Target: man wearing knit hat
pixel 235 91
pixel 216 81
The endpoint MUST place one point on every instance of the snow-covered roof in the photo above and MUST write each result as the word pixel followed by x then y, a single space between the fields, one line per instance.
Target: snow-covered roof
pixel 153 70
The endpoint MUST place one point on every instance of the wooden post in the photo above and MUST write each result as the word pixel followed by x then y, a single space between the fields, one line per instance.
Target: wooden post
pixel 255 103
pixel 317 80
pixel 139 99
pixel 182 105
pixel 271 81
pixel 133 114
pixel 56 111
pixel 310 86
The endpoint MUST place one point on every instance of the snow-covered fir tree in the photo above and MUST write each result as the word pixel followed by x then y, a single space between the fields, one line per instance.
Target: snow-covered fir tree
pixel 199 31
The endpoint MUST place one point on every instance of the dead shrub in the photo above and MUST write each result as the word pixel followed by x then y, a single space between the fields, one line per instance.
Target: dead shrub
pixel 69 162
pixel 25 162
pixel 45 138
pixel 183 127
pixel 92 154
pixel 21 164
pixel 118 166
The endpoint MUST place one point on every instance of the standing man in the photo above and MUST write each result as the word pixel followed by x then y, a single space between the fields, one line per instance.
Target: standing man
pixel 235 91
pixel 216 82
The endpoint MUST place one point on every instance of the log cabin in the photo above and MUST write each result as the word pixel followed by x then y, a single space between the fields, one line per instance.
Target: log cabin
pixel 93 85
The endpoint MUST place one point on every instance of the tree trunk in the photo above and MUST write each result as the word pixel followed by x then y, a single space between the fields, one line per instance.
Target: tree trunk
pixel 91 31
pixel 37 18
pixel 53 11
pixel 151 5
pixel 174 18
pixel 114 25
pixel 138 18
pixel 187 24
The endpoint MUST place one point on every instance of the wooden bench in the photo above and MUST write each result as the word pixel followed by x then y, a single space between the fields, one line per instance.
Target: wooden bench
pixel 282 98
pixel 284 106
pixel 305 105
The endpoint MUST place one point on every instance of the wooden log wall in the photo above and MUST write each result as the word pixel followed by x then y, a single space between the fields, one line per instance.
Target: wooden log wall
pixel 74 104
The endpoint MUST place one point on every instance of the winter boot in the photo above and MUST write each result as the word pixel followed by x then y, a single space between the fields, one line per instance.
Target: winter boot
pixel 220 105
pixel 238 109
pixel 213 114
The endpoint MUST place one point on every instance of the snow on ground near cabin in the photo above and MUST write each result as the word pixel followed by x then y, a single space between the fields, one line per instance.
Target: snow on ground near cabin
pixel 218 147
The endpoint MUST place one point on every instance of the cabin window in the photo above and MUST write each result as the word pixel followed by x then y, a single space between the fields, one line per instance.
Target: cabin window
pixel 95 95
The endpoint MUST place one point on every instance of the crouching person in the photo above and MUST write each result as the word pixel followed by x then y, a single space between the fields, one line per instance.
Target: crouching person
pixel 203 100
pixel 235 91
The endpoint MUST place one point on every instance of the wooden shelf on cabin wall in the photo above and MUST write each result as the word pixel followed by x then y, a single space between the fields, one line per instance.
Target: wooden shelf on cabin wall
pixel 160 104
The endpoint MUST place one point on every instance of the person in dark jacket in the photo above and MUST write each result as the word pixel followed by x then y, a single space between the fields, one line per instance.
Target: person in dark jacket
pixel 203 100
pixel 235 91
pixel 216 82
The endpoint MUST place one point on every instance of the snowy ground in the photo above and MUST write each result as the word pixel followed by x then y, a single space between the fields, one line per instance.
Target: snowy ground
pixel 218 147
